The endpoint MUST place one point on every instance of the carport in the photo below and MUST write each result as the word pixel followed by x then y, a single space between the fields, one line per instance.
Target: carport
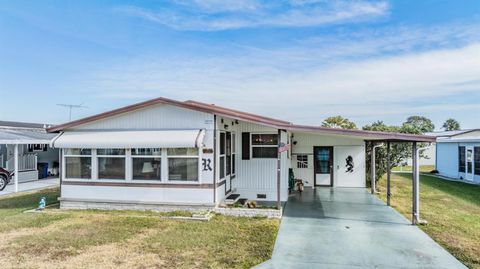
pixel 22 136
pixel 350 228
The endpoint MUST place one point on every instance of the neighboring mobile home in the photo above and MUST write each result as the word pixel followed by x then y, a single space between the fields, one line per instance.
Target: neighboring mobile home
pixel 36 160
pixel 458 155
pixel 164 153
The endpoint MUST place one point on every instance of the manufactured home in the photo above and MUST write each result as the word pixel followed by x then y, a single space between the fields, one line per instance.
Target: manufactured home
pixel 24 147
pixel 458 155
pixel 164 153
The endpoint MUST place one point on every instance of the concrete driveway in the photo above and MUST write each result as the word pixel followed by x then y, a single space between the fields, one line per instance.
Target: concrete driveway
pixel 350 228
pixel 31 185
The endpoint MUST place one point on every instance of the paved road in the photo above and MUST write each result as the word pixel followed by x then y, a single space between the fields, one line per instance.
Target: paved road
pixel 32 185
pixel 350 228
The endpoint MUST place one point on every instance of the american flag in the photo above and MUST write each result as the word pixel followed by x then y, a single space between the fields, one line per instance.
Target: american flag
pixel 283 147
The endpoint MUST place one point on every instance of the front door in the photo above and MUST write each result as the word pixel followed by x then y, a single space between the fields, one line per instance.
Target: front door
pixel 469 164
pixel 323 166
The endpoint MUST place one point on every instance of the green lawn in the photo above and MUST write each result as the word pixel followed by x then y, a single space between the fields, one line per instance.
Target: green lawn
pixel 126 239
pixel 408 168
pixel 452 210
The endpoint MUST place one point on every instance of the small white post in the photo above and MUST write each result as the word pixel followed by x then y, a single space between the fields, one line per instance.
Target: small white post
pixel 15 169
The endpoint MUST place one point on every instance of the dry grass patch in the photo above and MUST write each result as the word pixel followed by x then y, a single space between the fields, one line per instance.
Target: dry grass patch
pixel 127 239
pixel 452 210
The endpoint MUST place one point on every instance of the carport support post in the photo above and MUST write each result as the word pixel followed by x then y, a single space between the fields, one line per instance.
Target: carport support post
pixel 279 167
pixel 15 167
pixel 389 193
pixel 372 168
pixel 415 196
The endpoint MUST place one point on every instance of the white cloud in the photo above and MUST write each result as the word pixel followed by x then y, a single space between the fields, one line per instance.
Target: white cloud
pixel 215 15
pixel 358 89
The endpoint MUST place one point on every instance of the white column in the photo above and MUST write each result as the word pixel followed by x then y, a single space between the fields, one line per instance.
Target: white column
pixel 15 169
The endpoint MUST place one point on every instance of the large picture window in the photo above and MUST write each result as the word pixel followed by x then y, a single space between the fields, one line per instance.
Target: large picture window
pixel 111 163
pixel 78 163
pixel 146 164
pixel 476 154
pixel 461 159
pixel 183 164
pixel 265 146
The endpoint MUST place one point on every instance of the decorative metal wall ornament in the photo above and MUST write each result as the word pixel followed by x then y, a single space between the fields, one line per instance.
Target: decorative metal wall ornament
pixel 349 165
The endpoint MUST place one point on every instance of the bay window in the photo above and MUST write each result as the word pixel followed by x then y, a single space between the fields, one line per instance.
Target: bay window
pixel 146 164
pixel 154 164
pixel 78 163
pixel 183 164
pixel 111 163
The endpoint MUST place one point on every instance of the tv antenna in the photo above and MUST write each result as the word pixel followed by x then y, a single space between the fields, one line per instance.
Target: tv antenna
pixel 70 107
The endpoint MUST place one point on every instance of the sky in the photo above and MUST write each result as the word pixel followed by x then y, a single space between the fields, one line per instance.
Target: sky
pixel 298 60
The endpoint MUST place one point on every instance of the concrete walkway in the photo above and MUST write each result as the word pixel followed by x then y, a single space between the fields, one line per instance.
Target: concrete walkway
pixel 350 228
pixel 31 185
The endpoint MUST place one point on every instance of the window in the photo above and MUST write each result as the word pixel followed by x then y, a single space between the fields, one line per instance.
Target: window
pixel 146 164
pixel 183 164
pixel 477 160
pixel 302 161
pixel 264 146
pixel 36 147
pixel 228 156
pixel 111 163
pixel 222 155
pixel 469 161
pixel 461 159
pixel 78 163
pixel 234 153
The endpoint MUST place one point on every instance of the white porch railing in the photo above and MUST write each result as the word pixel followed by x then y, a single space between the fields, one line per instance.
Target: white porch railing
pixel 26 162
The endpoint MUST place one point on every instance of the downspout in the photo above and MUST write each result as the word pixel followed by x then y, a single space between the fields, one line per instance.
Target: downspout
pixel 418 220
pixel 373 173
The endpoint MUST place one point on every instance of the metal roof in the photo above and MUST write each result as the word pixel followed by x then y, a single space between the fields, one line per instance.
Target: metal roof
pixel 248 117
pixel 17 124
pixel 450 133
pixel 25 136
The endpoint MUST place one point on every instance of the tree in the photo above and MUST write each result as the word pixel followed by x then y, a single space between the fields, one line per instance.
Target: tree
pixel 338 122
pixel 398 151
pixel 451 125
pixel 418 125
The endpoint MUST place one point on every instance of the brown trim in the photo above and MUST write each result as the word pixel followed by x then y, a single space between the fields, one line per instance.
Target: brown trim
pixel 315 166
pixel 138 185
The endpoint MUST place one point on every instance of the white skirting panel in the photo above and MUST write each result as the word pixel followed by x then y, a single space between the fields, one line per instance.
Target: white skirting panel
pixel 140 194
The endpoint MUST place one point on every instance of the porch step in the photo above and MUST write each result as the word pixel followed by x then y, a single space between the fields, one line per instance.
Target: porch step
pixel 232 199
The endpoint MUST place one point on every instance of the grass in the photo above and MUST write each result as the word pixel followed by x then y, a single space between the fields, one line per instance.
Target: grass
pixel 452 210
pixel 126 239
pixel 408 168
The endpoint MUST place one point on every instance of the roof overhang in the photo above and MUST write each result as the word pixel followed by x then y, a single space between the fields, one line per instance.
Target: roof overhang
pixel 361 134
pixel 248 117
pixel 12 136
